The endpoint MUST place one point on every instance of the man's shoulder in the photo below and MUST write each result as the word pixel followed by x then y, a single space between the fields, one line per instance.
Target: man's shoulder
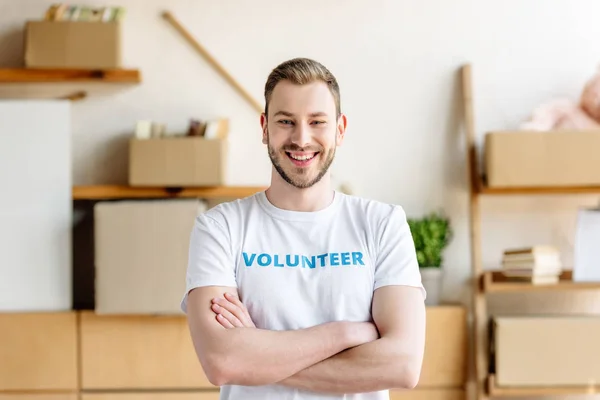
pixel 373 210
pixel 228 211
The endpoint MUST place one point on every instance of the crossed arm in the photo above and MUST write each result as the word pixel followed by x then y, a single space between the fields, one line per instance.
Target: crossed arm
pixel 336 357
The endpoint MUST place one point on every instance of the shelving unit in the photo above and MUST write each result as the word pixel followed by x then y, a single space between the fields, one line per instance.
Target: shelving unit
pixel 496 391
pixel 106 192
pixel 34 83
pixel 487 282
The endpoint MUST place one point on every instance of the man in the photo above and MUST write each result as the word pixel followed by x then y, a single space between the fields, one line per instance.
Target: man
pixel 301 292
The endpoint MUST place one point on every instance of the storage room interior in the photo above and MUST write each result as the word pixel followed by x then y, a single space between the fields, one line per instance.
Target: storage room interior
pixel 120 122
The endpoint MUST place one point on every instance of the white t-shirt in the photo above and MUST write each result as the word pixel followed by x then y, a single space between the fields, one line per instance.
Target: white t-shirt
pixel 296 269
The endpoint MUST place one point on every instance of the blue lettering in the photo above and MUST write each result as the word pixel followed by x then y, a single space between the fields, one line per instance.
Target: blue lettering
pixel 345 258
pixel 247 260
pixel 289 262
pixel 322 258
pixel 357 258
pixel 265 257
pixel 293 260
pixel 277 263
pixel 305 261
pixel 334 259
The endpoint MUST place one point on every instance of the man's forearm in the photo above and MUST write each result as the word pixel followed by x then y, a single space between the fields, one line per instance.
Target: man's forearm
pixel 373 366
pixel 249 356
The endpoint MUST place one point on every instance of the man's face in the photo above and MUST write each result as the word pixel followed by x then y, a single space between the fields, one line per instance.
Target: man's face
pixel 302 132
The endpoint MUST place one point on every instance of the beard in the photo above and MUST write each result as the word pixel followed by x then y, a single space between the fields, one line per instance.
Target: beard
pixel 296 176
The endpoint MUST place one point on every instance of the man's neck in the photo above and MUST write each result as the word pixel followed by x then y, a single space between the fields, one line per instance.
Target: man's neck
pixel 287 197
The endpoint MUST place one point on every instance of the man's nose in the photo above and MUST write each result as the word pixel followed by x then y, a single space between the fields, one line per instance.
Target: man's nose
pixel 301 135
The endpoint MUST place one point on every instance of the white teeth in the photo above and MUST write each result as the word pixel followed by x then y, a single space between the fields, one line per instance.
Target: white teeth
pixel 302 158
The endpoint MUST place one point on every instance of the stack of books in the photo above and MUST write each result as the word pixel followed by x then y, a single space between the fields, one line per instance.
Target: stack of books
pixel 537 264
pixel 68 12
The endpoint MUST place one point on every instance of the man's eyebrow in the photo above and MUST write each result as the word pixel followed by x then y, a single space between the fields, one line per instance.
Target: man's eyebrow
pixel 289 114
pixel 284 113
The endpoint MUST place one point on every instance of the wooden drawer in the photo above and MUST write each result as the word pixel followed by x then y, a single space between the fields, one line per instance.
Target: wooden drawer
pixel 32 396
pixel 38 351
pixel 213 395
pixel 445 360
pixel 428 394
pixel 138 352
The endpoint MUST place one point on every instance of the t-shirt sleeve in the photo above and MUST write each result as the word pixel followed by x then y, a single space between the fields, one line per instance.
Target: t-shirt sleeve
pixel 210 262
pixel 396 262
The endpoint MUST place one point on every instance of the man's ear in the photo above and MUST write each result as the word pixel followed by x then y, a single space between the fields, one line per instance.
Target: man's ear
pixel 342 123
pixel 263 124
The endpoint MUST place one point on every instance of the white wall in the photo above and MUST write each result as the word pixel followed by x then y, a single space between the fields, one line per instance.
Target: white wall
pixel 397 63
pixel 35 206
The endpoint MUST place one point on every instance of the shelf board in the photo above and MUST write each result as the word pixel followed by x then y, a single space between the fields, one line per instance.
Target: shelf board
pixel 513 391
pixel 496 282
pixel 539 190
pixel 24 75
pixel 107 192
pixel 28 83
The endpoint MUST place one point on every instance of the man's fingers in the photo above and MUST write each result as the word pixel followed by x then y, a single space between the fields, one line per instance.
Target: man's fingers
pixel 229 306
pixel 227 315
pixel 235 300
pixel 223 321
pixel 245 317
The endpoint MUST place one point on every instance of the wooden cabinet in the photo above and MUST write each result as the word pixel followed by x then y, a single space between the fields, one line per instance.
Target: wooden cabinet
pixel 152 358
pixel 138 352
pixel 445 361
pixel 204 395
pixel 38 351
pixel 428 394
pixel 33 396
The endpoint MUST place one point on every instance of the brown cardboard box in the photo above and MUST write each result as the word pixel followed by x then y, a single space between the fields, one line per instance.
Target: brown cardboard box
pixel 72 44
pixel 535 159
pixel 141 254
pixel 177 161
pixel 547 351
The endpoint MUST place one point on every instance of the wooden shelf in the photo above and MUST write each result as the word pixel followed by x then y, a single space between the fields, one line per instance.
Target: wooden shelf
pixel 23 75
pixel 19 83
pixel 512 391
pixel 539 190
pixel 496 282
pixel 104 192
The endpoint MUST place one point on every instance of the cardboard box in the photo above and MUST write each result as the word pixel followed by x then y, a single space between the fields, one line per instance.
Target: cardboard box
pixel 72 44
pixel 177 162
pixel 536 159
pixel 141 254
pixel 547 351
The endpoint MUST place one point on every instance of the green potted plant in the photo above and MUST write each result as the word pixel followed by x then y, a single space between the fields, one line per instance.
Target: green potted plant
pixel 431 235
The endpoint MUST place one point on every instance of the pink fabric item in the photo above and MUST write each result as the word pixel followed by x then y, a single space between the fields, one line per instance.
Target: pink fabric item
pixel 559 114
pixel 590 97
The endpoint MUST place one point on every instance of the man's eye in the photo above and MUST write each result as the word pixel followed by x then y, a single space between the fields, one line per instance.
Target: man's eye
pixel 318 122
pixel 285 121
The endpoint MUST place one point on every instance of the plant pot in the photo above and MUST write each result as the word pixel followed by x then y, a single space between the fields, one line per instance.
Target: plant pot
pixel 432 282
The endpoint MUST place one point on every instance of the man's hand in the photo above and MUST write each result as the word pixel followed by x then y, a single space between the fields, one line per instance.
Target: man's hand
pixel 231 312
pixel 235 356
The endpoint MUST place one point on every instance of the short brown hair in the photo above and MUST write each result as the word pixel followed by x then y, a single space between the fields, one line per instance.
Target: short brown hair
pixel 301 71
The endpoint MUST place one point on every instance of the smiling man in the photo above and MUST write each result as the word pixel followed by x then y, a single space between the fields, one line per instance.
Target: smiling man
pixel 302 292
